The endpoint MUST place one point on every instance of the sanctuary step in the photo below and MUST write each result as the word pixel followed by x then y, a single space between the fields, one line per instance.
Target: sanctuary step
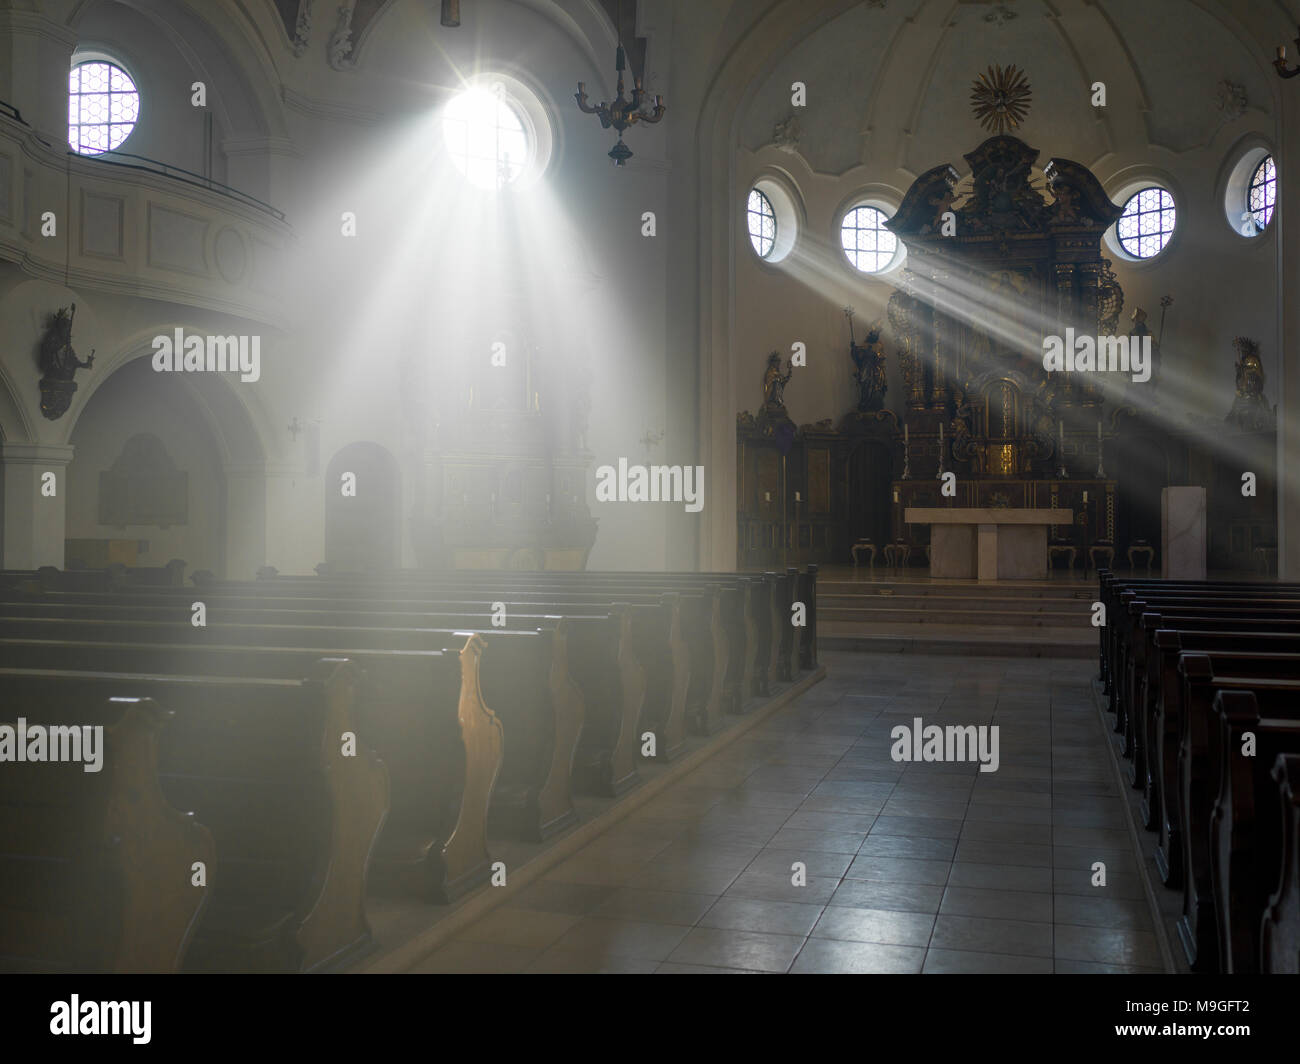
pixel 1017 618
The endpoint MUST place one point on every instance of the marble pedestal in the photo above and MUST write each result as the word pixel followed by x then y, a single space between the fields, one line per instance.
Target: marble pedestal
pixel 1182 533
pixel 988 544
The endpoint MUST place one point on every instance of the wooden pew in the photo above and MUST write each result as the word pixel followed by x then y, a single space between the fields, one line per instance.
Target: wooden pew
pixel 95 867
pixel 1271 680
pixel 765 591
pixel 657 643
pixel 1160 705
pixel 1128 644
pixel 1280 926
pixel 262 765
pixel 1221 817
pixel 1246 858
pixel 602 659
pixel 421 711
pixel 605 587
pixel 708 649
pixel 1136 626
pixel 1111 586
pixel 525 680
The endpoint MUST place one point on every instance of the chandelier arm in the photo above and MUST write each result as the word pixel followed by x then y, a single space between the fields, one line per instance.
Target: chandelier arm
pixel 583 105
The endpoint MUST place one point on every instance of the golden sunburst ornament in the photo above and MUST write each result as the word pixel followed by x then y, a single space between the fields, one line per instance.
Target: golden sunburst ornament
pixel 1000 98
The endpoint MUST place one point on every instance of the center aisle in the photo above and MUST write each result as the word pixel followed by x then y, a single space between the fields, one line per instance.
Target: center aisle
pixel 910 867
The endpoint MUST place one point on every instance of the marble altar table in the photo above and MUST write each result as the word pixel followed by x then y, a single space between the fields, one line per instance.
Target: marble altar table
pixel 988 543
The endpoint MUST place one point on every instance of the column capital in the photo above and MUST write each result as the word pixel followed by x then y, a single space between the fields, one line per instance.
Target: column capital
pixel 14 453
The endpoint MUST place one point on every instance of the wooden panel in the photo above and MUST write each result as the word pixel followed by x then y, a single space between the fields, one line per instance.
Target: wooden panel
pixel 767 477
pixel 819 480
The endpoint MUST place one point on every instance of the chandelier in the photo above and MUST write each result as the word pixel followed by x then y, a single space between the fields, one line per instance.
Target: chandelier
pixel 1279 64
pixel 623 112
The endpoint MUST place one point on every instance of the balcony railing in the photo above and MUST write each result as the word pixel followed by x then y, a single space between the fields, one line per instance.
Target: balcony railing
pixel 142 162
pixel 137 226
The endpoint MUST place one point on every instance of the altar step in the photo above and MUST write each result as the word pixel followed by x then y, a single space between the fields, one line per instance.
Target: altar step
pixel 1035 620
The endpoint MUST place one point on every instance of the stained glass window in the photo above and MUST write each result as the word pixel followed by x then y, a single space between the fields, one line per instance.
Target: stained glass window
pixel 1262 195
pixel 868 244
pixel 103 106
pixel 1147 222
pixel 762 223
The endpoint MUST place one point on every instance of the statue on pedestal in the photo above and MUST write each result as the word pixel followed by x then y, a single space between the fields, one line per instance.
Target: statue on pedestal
pixel 59 363
pixel 869 371
pixel 1250 409
pixel 774 382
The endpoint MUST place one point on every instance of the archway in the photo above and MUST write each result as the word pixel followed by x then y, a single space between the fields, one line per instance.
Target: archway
pixel 146 483
pixel 362 506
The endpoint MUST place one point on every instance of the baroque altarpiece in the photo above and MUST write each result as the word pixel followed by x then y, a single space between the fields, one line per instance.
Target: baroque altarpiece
pixel 995 264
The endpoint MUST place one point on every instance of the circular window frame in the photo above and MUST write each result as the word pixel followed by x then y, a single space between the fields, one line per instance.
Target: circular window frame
pixel 787 208
pixel 96 54
pixel 887 206
pixel 1234 191
pixel 1126 187
pixel 531 107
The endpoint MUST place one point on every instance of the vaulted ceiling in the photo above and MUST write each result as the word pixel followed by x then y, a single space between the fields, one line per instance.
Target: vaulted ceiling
pixel 893 77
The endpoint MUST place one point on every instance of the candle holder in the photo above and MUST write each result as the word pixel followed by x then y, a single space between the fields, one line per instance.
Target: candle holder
pixel 1279 64
pixel 907 460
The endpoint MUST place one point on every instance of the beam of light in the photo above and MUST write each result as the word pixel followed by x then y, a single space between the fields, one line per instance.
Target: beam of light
pixel 445 262
pixel 819 264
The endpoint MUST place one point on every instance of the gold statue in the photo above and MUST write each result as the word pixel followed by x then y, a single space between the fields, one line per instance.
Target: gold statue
pixel 1250 410
pixel 774 382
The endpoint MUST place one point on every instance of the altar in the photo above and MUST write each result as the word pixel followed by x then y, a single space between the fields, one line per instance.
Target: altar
pixel 988 543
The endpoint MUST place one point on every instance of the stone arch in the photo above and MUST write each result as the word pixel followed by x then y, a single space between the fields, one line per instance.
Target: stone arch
pixel 175 505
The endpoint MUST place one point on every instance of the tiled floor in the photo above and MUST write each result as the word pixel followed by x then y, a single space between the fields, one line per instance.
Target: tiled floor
pixel 910 867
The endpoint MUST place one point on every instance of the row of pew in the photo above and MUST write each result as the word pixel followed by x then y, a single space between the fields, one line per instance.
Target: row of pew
pixel 274 749
pixel 1203 680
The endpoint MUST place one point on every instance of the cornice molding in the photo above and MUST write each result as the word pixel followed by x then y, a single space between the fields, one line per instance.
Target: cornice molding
pixel 316 108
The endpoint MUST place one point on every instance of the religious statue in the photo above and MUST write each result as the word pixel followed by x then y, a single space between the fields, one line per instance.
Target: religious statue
pixel 59 363
pixel 774 382
pixel 1065 201
pixel 1250 410
pixel 1002 196
pixel 773 421
pixel 1138 333
pixel 869 370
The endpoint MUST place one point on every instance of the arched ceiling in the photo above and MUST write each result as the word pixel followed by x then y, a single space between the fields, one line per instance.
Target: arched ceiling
pixel 893 77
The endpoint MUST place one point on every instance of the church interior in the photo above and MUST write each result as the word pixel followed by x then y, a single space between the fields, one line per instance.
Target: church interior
pixel 899 578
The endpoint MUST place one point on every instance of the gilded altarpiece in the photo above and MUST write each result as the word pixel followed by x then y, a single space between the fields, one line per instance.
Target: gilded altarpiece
pixel 994 265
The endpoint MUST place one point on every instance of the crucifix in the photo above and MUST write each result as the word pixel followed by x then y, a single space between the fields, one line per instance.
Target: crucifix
pixel 295 428
pixel 649 438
